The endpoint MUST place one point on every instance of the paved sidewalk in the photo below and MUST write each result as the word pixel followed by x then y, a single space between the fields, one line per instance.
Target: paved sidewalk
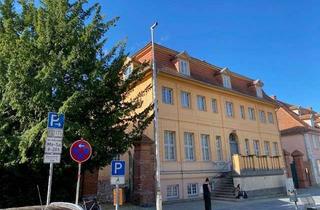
pixel 263 204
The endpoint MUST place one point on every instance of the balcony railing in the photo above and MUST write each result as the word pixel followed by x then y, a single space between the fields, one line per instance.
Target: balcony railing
pixel 252 164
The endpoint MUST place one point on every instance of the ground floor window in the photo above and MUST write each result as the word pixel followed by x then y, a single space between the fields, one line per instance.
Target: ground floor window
pixel 173 191
pixel 192 189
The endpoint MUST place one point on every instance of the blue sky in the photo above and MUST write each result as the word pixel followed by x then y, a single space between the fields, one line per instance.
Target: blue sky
pixel 275 41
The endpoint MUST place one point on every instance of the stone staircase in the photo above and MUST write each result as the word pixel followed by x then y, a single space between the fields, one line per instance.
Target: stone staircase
pixel 224 188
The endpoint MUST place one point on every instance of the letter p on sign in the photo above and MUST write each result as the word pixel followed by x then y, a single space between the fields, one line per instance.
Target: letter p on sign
pixel 118 167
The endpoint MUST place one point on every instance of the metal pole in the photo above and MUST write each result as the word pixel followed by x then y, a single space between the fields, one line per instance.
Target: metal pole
pixel 155 122
pixel 78 183
pixel 117 197
pixel 49 183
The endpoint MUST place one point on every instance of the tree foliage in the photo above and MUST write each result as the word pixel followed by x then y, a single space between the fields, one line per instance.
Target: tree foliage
pixel 53 57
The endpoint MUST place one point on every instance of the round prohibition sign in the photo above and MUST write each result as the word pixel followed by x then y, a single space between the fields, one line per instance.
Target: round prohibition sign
pixel 80 151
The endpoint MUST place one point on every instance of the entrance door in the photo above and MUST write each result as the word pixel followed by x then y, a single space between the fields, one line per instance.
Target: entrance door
pixel 294 174
pixel 234 148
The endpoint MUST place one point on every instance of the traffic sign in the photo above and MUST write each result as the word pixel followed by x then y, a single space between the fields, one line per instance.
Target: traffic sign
pixel 55 120
pixel 49 158
pixel 80 151
pixel 118 167
pixel 53 146
pixel 117 180
pixel 55 132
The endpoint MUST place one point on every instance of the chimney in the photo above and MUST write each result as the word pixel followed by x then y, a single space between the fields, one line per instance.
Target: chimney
pixel 274 97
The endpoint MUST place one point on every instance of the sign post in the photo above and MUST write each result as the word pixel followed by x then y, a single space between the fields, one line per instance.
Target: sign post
pixel 118 172
pixel 53 146
pixel 80 151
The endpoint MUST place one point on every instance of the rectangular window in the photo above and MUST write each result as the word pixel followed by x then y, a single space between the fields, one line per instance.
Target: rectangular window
pixel 127 72
pixel 192 189
pixel 318 164
pixel 229 109
pixel 315 141
pixel 267 148
pixel 251 112
pixel 205 147
pixel 185 99
pixel 214 105
pixel 270 118
pixel 242 113
pixel 189 146
pixel 275 149
pixel 259 92
pixel 184 67
pixel 256 147
pixel 262 116
pixel 169 145
pixel 247 146
pixel 173 191
pixel 167 95
pixel 226 81
pixel 201 101
pixel 219 148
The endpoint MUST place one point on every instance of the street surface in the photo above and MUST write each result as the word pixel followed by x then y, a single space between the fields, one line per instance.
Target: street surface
pixel 256 204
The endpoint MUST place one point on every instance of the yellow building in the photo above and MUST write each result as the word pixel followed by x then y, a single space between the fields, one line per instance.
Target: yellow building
pixel 212 123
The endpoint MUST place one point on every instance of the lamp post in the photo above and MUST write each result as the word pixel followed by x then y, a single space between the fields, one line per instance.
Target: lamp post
pixel 155 121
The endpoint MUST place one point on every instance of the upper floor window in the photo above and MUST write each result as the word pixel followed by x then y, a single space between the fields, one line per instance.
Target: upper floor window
pixel 201 101
pixel 219 148
pixel 270 118
pixel 214 105
pixel 275 149
pixel 184 67
pixel 169 145
pixel 189 146
pixel 242 113
pixel 229 109
pixel 262 116
pixel 251 112
pixel 167 95
pixel 185 99
pixel 127 72
pixel 256 147
pixel 259 91
pixel 205 147
pixel 226 81
pixel 247 146
pixel 267 148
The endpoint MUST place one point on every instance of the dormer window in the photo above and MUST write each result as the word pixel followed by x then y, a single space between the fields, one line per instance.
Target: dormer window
pixel 226 81
pixel 258 84
pixel 184 67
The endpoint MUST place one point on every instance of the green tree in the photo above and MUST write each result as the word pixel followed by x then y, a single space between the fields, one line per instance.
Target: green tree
pixel 53 57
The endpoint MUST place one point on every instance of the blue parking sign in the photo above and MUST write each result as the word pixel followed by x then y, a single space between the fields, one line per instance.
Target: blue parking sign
pixel 118 167
pixel 55 120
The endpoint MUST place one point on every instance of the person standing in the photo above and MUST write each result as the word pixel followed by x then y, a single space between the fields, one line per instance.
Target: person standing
pixel 207 194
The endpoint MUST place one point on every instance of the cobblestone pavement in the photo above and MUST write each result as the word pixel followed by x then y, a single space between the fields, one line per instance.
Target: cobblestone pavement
pixel 263 204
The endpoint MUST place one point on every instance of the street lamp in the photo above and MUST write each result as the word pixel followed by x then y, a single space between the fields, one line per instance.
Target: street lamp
pixel 155 122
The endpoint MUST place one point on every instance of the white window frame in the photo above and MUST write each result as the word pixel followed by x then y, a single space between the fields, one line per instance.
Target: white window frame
pixel 185 99
pixel 270 118
pixel 256 147
pixel 219 151
pixel 173 191
pixel 226 81
pixel 127 72
pixel 184 67
pixel 242 112
pixel 262 116
pixel 167 95
pixel 259 91
pixel 189 146
pixel 267 148
pixel 214 105
pixel 169 145
pixel 229 109
pixel 205 147
pixel 201 103
pixel 192 189
pixel 252 113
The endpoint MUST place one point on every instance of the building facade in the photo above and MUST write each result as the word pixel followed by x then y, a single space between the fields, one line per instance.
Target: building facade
pixel 300 139
pixel 212 123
